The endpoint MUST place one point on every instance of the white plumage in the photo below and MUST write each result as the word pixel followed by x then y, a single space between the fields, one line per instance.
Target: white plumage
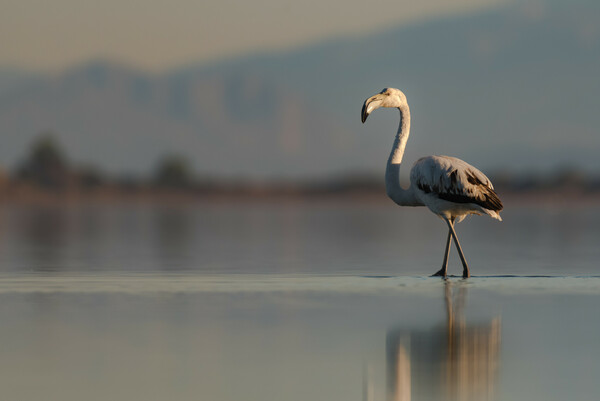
pixel 449 187
pixel 453 188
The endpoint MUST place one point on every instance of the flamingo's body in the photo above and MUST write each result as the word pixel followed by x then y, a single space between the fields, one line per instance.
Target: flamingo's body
pixel 449 187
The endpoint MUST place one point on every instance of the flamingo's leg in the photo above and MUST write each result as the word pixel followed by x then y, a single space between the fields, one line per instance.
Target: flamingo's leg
pixel 443 272
pixel 460 252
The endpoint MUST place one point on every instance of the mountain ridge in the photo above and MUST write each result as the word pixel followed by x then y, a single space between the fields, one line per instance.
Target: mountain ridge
pixel 508 88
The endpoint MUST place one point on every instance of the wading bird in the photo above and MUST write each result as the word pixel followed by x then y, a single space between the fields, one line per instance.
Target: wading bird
pixel 449 187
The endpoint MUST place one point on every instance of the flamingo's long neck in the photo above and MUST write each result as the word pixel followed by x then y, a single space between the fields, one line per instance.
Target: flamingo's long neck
pixel 403 197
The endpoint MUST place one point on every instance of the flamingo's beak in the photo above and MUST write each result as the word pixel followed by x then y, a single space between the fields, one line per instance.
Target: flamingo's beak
pixel 372 103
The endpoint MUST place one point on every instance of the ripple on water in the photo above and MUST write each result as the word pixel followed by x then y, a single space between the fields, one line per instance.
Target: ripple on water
pixel 235 283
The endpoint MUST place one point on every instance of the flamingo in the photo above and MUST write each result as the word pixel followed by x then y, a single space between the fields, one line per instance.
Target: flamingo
pixel 449 187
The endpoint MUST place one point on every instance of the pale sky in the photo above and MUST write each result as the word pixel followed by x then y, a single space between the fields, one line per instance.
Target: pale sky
pixel 44 35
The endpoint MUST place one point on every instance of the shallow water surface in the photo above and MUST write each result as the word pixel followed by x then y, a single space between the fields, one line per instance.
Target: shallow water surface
pixel 274 337
pixel 295 237
pixel 296 301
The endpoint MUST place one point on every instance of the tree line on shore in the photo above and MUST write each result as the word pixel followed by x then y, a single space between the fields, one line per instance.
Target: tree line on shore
pixel 47 168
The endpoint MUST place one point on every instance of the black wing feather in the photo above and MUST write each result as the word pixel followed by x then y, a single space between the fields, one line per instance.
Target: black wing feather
pixel 477 192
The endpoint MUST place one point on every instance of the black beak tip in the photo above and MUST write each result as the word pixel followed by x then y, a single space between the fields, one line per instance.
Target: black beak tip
pixel 364 114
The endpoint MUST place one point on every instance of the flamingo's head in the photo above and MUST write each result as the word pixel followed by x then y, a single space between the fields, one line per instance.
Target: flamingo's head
pixel 388 97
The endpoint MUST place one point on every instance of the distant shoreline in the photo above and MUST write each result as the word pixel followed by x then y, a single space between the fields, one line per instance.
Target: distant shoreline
pixel 32 195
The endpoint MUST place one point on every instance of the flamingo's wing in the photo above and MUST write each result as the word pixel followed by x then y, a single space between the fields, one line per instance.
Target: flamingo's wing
pixel 454 180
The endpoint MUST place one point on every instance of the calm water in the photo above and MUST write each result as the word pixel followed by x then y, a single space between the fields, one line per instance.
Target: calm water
pixel 292 237
pixel 296 301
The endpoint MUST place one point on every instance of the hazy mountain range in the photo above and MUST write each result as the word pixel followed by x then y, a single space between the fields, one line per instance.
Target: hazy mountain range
pixel 510 89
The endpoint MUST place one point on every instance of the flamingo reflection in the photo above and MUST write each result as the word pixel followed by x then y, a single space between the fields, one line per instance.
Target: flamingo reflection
pixel 458 361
